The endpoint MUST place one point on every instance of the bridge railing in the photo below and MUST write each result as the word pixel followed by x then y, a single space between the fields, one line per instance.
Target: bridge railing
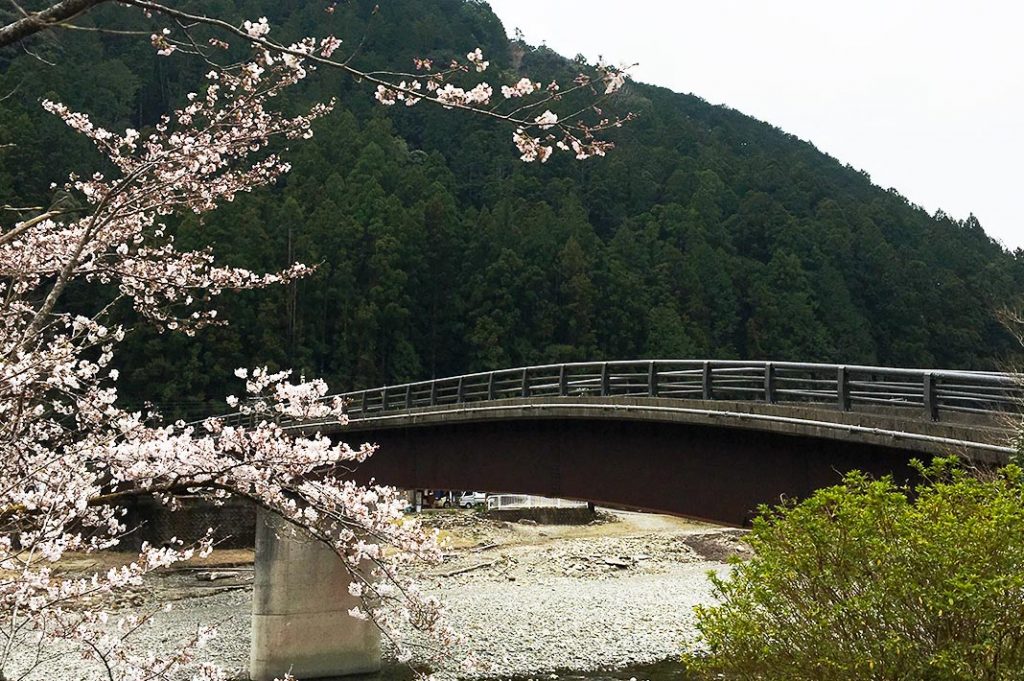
pixel 930 393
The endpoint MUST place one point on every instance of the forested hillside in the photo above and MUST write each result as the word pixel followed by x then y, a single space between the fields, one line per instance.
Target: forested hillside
pixel 704 234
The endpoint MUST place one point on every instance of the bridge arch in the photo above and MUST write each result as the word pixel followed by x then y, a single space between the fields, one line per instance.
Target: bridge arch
pixel 713 473
pixel 704 439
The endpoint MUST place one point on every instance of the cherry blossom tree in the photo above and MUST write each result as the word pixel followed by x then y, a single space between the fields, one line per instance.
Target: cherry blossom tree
pixel 72 457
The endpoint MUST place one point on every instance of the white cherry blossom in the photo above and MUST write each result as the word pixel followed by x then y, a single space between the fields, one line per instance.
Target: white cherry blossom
pixel 72 457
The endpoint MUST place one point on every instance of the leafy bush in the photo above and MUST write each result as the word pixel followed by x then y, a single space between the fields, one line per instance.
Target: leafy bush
pixel 870 579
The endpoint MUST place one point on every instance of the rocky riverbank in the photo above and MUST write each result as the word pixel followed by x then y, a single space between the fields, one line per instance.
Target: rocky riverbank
pixel 591 598
pixel 529 599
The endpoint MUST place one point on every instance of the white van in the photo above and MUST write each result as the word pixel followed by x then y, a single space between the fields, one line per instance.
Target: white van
pixel 471 499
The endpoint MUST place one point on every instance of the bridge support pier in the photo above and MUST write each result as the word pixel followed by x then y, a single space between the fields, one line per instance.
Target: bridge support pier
pixel 300 620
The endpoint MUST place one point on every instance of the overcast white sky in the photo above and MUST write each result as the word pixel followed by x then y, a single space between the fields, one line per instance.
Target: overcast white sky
pixel 927 96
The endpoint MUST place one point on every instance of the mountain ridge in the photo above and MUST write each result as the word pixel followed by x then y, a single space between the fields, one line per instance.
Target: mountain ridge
pixel 704 233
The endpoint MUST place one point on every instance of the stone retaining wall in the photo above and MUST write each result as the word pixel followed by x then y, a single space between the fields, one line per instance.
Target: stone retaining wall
pixel 580 515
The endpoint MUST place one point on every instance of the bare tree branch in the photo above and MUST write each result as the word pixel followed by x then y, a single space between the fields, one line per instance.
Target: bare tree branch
pixel 97 29
pixel 21 10
pixel 36 56
pixel 41 21
pixel 11 93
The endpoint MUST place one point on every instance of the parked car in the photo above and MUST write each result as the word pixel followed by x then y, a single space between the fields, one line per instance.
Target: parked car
pixel 471 499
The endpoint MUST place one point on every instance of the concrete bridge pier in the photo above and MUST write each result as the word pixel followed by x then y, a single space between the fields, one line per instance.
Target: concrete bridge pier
pixel 300 620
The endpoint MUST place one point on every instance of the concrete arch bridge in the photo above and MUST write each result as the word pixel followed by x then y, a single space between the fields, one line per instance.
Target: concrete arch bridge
pixel 704 439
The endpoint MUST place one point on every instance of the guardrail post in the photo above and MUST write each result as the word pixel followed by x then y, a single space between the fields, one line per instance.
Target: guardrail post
pixel 433 392
pixel 490 386
pixel 526 383
pixel 563 382
pixel 931 403
pixel 707 391
pixel 769 383
pixel 384 399
pixel 652 380
pixel 605 383
pixel 362 412
pixel 843 389
pixel 460 394
pixel 408 396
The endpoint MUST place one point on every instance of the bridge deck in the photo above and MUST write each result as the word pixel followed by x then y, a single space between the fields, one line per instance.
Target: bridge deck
pixel 931 411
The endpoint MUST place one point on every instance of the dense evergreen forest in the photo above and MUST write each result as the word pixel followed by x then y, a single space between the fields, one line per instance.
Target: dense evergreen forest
pixel 706 233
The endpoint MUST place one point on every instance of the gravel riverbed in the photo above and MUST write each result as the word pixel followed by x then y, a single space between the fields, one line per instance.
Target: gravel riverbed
pixel 529 600
pixel 555 623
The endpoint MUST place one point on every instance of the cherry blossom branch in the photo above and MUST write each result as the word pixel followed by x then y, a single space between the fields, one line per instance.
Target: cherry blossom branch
pixel 576 136
pixel 65 273
pixel 573 133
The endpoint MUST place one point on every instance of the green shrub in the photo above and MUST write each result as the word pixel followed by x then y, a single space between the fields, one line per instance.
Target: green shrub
pixel 873 580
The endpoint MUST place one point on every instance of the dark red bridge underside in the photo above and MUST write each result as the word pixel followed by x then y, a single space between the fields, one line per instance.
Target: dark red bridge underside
pixel 710 473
